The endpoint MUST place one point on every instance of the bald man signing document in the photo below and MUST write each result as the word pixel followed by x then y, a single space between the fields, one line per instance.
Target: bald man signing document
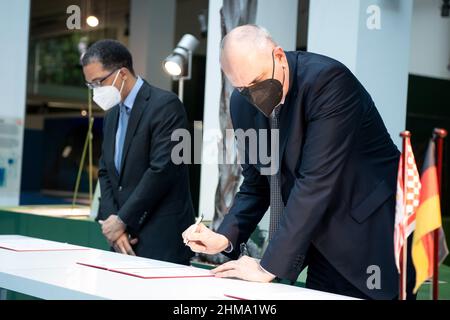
pixel 332 201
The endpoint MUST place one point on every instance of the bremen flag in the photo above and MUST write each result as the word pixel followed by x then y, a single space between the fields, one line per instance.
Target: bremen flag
pixel 405 209
pixel 428 219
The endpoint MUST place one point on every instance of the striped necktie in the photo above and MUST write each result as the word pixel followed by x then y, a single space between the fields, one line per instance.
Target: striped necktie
pixel 276 201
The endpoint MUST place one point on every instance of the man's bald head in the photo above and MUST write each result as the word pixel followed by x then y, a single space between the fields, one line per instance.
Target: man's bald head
pixel 245 44
pixel 246 56
pixel 251 36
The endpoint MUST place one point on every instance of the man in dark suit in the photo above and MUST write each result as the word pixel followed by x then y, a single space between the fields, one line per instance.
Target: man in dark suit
pixel 145 198
pixel 332 201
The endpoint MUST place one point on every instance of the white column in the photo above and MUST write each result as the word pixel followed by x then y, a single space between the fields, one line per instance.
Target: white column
pixel 14 23
pixel 209 175
pixel 280 19
pixel 372 38
pixel 430 40
pixel 333 29
pixel 152 30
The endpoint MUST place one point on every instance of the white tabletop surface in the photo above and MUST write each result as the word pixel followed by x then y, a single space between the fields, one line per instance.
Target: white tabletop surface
pixel 56 275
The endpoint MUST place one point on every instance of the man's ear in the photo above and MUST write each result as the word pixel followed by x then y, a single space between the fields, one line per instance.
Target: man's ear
pixel 278 53
pixel 124 73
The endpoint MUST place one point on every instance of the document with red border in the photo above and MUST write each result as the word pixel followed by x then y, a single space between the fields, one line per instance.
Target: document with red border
pixel 149 270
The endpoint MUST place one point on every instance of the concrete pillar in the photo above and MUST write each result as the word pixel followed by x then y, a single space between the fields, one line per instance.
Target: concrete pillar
pixel 430 41
pixel 14 23
pixel 372 38
pixel 152 30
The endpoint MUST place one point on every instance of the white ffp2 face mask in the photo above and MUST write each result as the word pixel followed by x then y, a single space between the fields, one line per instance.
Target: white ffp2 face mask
pixel 108 96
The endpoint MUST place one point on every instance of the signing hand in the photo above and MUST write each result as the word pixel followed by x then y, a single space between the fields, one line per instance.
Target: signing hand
pixel 112 228
pixel 201 239
pixel 246 268
pixel 123 244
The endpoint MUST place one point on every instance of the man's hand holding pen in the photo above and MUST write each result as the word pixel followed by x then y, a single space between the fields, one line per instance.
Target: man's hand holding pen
pixel 203 240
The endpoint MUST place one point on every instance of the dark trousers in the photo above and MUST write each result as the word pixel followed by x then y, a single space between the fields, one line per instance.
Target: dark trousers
pixel 324 277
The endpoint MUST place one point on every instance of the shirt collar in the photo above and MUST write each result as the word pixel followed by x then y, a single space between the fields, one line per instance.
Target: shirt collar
pixel 291 58
pixel 129 100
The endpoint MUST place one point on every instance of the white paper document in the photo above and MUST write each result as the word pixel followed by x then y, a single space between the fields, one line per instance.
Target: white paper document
pixel 171 272
pixel 274 291
pixel 151 269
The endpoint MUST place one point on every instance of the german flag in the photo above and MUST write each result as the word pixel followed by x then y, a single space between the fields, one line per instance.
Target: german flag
pixel 428 219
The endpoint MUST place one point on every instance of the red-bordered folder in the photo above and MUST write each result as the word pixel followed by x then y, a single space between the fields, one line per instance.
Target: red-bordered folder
pixel 156 272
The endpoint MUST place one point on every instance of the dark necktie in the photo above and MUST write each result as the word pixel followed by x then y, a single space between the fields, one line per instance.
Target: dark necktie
pixel 120 135
pixel 276 201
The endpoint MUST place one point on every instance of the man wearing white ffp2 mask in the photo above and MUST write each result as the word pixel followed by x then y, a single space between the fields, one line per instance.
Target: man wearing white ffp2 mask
pixel 108 96
pixel 145 197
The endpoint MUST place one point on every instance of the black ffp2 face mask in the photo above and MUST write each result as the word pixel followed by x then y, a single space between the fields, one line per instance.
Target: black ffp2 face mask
pixel 265 95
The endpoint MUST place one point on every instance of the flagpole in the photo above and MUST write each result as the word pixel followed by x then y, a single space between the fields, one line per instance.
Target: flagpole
pixel 438 136
pixel 404 261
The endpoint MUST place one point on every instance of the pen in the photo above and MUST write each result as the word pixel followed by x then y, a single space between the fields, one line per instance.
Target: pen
pixel 199 220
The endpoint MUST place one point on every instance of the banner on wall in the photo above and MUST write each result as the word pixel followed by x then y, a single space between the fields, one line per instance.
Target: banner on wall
pixel 10 150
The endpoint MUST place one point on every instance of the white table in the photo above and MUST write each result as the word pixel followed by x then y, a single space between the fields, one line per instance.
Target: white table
pixel 55 275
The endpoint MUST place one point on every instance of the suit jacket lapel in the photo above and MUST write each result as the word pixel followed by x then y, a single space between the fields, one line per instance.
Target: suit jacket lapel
pixel 286 115
pixel 285 125
pixel 136 114
pixel 112 138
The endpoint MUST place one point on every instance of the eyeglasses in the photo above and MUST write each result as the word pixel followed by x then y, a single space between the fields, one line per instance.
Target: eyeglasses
pixel 98 83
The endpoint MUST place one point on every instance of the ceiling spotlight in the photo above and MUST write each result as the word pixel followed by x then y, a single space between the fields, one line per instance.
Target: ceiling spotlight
pixel 179 63
pixel 92 21
pixel 173 66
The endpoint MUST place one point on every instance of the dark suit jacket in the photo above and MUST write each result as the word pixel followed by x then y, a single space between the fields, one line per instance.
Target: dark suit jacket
pixel 151 194
pixel 338 177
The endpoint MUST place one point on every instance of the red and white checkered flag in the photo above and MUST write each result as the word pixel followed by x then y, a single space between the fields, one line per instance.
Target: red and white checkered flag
pixel 405 209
